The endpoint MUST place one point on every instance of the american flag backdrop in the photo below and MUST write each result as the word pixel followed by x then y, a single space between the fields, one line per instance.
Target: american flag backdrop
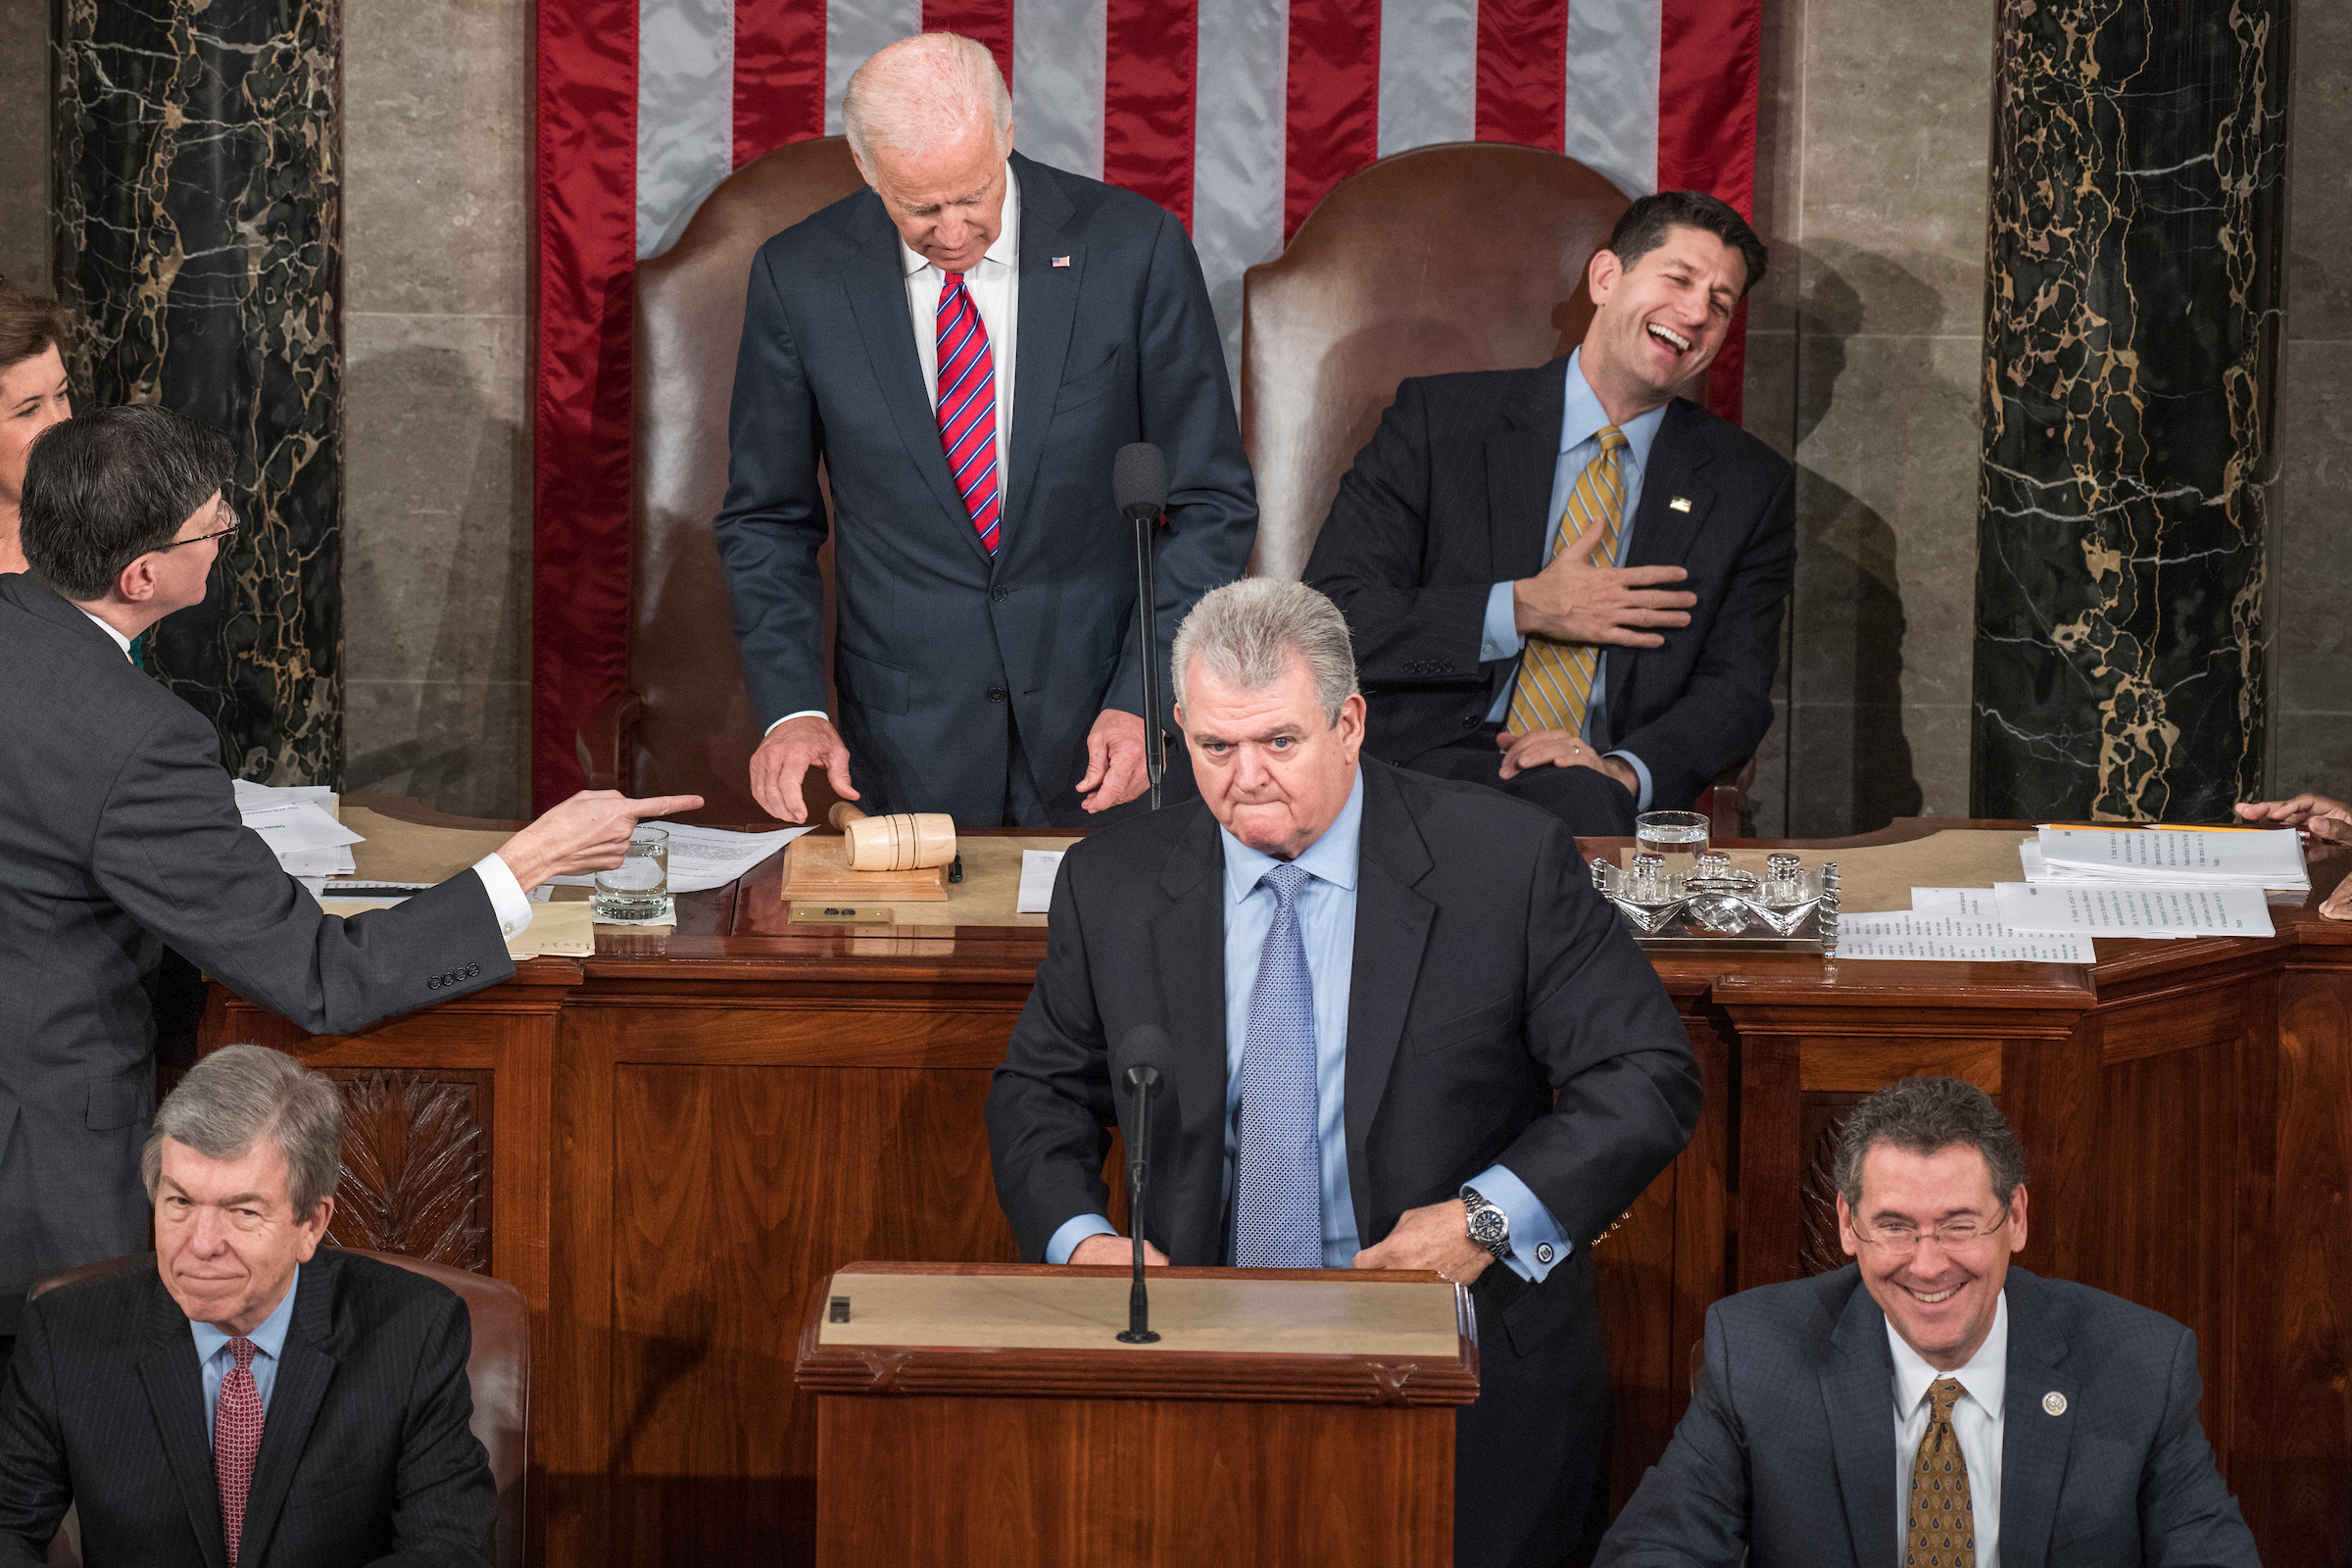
pixel 1237 116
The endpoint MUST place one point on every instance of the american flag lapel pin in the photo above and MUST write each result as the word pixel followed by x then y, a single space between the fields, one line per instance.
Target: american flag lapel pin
pixel 1062 260
pixel 1679 503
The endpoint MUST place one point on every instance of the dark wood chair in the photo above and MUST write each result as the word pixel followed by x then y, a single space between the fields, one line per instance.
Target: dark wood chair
pixel 1464 256
pixel 684 724
pixel 498 1371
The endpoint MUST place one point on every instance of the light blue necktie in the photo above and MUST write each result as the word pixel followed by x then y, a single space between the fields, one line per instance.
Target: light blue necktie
pixel 1278 1168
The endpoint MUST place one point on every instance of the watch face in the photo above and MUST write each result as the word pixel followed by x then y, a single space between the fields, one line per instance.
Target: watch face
pixel 1487 1226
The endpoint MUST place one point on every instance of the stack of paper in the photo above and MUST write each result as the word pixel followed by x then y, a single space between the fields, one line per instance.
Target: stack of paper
pixel 299 829
pixel 2116 910
pixel 1953 925
pixel 2166 856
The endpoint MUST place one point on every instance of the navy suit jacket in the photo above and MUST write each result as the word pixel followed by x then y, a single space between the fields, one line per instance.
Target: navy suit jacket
pixel 1116 344
pixel 367 1456
pixel 1448 498
pixel 1786 1454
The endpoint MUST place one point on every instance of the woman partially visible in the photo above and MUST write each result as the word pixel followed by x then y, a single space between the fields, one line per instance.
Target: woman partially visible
pixel 33 335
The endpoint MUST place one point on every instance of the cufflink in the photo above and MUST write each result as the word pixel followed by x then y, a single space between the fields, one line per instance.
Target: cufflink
pixel 1543 1253
pixel 2054 1402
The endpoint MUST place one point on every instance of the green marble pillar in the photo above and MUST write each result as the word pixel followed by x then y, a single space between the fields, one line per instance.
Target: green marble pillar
pixel 198 151
pixel 2131 331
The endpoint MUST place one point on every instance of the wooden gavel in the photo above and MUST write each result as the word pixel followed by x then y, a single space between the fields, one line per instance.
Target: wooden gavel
pixel 906 842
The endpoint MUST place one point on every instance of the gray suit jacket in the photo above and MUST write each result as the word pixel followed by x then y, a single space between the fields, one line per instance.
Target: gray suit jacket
pixel 120 835
pixel 367 1451
pixel 1786 1454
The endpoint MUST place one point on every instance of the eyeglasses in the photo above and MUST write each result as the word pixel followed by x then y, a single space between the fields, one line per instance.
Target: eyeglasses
pixel 1954 1235
pixel 218 533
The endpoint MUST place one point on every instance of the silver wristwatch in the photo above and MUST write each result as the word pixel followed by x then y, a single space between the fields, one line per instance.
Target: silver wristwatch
pixel 1489 1227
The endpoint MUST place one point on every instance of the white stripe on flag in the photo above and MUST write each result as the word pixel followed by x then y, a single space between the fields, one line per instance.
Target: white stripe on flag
pixel 1239 129
pixel 1427 72
pixel 1057 83
pixel 685 111
pixel 1613 90
pixel 854 29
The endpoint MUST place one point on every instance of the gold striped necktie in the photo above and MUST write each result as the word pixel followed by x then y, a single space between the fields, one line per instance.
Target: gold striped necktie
pixel 1942 1527
pixel 1554 686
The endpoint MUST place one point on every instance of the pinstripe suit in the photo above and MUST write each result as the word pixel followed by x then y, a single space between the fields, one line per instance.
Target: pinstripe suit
pixel 1786 1454
pixel 366 1453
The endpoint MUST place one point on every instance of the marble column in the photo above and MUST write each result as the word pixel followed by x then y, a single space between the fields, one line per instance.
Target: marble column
pixel 2131 331
pixel 197 185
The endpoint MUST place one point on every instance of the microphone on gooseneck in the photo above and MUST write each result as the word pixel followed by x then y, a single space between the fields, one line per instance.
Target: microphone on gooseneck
pixel 1138 486
pixel 1145 1042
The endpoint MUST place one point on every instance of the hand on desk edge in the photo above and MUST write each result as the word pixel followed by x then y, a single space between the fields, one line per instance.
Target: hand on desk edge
pixel 590 832
pixel 784 758
pixel 1115 1251
pixel 2327 821
pixel 1437 1237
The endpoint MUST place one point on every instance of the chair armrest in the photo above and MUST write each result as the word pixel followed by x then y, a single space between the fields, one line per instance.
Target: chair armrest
pixel 602 740
pixel 1724 802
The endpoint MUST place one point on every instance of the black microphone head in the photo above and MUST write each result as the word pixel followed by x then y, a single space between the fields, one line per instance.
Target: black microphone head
pixel 1139 480
pixel 1145 1044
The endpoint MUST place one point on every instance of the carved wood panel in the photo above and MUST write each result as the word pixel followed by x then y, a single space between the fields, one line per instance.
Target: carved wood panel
pixel 415 1164
pixel 1819 1120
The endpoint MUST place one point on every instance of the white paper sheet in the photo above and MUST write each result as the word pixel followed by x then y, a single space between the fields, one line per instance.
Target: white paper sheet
pixel 1935 927
pixel 1973 949
pixel 1959 903
pixel 702 857
pixel 2178 856
pixel 1038 870
pixel 294 825
pixel 2133 912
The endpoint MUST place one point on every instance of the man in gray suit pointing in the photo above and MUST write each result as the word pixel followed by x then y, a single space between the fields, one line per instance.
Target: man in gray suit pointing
pixel 1929 1404
pixel 121 835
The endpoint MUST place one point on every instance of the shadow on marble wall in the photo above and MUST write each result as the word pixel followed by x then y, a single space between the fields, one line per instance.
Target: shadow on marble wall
pixel 436 575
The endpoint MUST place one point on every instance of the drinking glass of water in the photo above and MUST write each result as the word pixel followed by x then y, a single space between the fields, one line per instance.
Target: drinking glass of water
pixel 1675 837
pixel 637 889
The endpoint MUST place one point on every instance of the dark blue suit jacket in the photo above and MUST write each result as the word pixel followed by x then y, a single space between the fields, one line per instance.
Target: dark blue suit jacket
pixel 1116 346
pixel 1786 1454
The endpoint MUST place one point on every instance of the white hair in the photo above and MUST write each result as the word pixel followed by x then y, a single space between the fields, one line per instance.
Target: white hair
pixel 923 91
pixel 1246 633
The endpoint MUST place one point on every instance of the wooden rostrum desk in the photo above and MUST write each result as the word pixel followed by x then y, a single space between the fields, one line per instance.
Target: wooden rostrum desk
pixel 666 1147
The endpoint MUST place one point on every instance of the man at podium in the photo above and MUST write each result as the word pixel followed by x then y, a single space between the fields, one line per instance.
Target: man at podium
pixel 1407 1034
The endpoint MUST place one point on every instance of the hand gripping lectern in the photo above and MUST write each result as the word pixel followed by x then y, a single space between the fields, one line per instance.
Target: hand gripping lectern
pixel 979 1413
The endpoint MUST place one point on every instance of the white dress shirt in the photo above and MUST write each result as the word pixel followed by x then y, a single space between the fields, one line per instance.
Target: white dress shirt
pixel 996 289
pixel 508 900
pixel 1976 1423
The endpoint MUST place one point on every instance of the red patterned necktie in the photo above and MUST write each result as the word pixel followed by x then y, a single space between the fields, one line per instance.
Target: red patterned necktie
pixel 968 406
pixel 236 1439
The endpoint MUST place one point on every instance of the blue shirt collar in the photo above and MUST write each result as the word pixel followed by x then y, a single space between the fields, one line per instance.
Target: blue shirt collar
pixel 1582 416
pixel 1331 858
pixel 270 1339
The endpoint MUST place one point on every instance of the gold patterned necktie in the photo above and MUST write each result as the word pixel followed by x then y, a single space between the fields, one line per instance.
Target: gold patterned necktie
pixel 1555 679
pixel 1941 1528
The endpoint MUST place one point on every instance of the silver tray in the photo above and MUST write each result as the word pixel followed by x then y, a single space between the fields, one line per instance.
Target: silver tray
pixel 1680 922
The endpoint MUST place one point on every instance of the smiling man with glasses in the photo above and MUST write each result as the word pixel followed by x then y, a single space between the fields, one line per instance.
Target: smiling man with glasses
pixel 1928 1405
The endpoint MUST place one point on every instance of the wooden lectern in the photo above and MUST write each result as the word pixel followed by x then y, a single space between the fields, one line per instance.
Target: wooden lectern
pixel 978 1413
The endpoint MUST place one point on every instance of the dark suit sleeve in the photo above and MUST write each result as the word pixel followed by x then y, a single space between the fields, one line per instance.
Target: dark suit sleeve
pixel 1049 1108
pixel 772 524
pixel 1690 1510
pixel 1187 411
pixel 1725 707
pixel 1626 1093
pixel 444 1502
pixel 2187 1518
pixel 1370 560
pixel 175 857
pixel 34 1488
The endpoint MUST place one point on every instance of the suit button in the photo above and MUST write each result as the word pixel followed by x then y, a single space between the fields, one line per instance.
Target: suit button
pixel 995 694
pixel 474 971
pixel 998 592
pixel 1469 721
pixel 432 985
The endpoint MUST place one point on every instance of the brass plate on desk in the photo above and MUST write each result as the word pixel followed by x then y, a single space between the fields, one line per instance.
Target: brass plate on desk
pixel 843 915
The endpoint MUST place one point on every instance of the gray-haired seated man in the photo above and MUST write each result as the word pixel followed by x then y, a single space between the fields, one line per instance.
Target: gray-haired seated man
pixel 251 1398
pixel 1928 1405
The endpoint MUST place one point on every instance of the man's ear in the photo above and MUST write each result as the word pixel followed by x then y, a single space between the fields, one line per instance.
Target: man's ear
pixel 1845 1229
pixel 135 583
pixel 1601 274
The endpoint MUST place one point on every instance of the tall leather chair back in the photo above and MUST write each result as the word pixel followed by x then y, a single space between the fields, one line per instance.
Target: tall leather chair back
pixel 694 732
pixel 1464 256
pixel 499 1372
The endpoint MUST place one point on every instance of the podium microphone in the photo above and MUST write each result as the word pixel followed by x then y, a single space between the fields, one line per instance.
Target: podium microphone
pixel 1142 1082
pixel 1138 486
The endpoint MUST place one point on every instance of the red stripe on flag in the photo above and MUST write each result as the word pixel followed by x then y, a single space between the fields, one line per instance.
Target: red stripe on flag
pixel 988 22
pixel 1333 101
pixel 586 190
pixel 1710 52
pixel 1152 54
pixel 1522 72
pixel 779 75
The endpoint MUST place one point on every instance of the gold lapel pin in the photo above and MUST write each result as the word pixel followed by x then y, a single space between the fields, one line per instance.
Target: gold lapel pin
pixel 1679 503
pixel 2054 1402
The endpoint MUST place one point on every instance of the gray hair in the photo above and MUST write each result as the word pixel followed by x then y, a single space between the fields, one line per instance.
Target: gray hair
pixel 241 1093
pixel 1922 1116
pixel 1248 632
pixel 921 89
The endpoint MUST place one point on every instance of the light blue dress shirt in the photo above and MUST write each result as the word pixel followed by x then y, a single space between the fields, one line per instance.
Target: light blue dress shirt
pixel 1327 929
pixel 269 1344
pixel 1581 421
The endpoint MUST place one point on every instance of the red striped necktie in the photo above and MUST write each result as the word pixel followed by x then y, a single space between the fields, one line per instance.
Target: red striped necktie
pixel 236 1439
pixel 968 406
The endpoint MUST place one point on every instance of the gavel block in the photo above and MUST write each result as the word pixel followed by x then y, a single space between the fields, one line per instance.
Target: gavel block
pixel 902 857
